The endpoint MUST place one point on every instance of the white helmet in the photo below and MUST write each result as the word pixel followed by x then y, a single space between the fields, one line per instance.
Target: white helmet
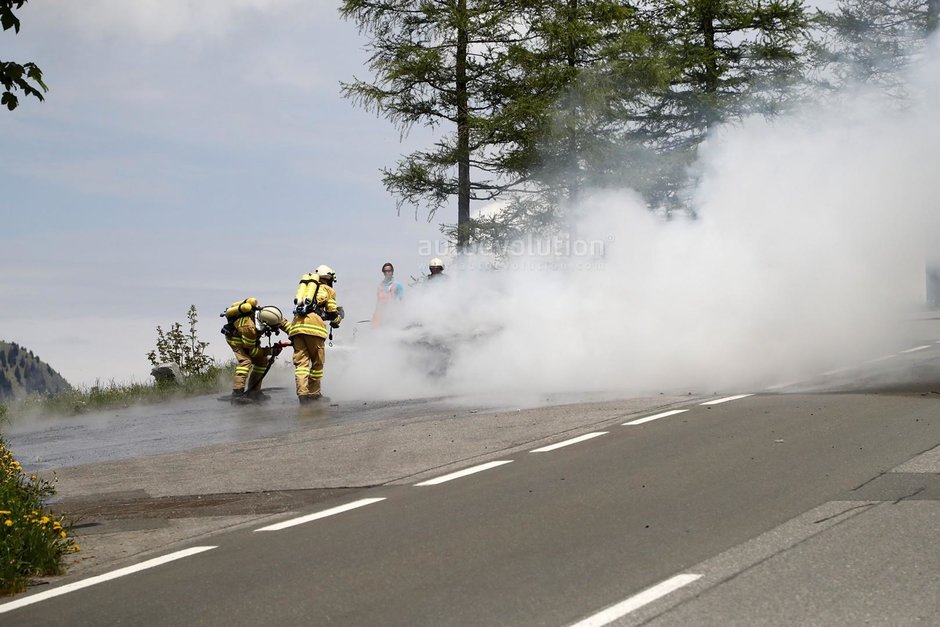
pixel 326 272
pixel 270 316
pixel 436 263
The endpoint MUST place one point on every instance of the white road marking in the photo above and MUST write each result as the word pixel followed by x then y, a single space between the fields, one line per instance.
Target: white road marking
pixel 877 359
pixel 640 421
pixel 464 473
pixel 915 349
pixel 829 373
pixel 580 438
pixel 781 385
pixel 327 512
pixel 726 399
pixel 637 601
pixel 78 585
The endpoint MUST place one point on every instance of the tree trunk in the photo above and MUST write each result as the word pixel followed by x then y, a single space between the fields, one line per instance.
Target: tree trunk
pixel 933 13
pixel 571 123
pixel 707 24
pixel 463 131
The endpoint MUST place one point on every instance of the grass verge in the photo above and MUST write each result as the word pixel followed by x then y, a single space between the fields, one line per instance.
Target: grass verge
pixel 111 395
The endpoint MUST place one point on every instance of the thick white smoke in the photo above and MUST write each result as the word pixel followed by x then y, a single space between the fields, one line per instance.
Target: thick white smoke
pixel 808 253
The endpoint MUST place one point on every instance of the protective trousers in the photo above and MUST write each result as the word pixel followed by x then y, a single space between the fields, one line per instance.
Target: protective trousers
pixel 309 354
pixel 247 366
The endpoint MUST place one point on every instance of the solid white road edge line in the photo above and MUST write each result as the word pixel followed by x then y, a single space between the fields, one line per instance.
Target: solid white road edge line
pixel 78 585
pixel 464 473
pixel 580 438
pixel 637 601
pixel 726 399
pixel 915 349
pixel 640 421
pixel 882 358
pixel 327 512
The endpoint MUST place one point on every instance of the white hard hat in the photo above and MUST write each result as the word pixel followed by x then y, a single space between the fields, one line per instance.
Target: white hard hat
pixel 326 272
pixel 270 316
pixel 436 263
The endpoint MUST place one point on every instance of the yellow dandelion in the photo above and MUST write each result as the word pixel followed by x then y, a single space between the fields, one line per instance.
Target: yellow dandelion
pixel 44 520
pixel 4 511
pixel 62 534
pixel 8 523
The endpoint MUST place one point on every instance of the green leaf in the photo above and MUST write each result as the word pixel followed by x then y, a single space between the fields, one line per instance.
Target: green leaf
pixel 8 100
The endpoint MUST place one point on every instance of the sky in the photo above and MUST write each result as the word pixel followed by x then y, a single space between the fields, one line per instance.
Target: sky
pixel 186 153
pixel 198 153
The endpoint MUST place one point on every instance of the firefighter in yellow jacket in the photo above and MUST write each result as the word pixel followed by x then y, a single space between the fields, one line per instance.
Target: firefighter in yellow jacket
pixel 243 338
pixel 314 307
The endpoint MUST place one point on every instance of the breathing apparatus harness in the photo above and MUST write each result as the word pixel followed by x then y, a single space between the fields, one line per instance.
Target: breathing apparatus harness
pixel 236 310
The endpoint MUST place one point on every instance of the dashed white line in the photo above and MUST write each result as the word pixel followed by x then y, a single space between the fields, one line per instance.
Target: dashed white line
pixel 915 349
pixel 464 473
pixel 829 373
pixel 637 601
pixel 726 399
pixel 580 438
pixel 665 414
pixel 78 585
pixel 315 516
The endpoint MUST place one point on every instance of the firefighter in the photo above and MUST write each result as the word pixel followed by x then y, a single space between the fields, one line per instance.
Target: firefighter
pixel 436 268
pixel 314 307
pixel 244 339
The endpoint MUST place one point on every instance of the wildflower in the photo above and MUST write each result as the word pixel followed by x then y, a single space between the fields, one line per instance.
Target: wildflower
pixel 62 534
pixel 44 520
pixel 4 511
pixel 8 523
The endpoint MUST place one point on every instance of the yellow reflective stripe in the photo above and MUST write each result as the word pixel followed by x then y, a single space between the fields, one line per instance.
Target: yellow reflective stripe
pixel 316 374
pixel 307 329
pixel 302 372
pixel 242 369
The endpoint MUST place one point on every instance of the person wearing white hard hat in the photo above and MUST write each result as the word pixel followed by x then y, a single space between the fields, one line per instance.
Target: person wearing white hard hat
pixel 314 305
pixel 437 269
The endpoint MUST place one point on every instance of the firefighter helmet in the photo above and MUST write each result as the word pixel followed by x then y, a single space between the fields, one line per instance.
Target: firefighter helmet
pixel 436 263
pixel 326 272
pixel 270 316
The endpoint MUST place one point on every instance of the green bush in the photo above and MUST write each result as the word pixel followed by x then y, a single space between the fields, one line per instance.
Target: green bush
pixel 33 541
pixel 185 350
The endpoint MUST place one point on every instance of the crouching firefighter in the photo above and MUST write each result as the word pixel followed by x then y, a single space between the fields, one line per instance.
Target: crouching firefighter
pixel 314 307
pixel 244 338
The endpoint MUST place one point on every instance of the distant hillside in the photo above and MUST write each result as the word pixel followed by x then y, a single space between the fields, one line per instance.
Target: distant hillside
pixel 22 373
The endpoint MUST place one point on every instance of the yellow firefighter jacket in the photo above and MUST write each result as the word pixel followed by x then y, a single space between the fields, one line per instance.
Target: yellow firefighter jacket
pixel 245 336
pixel 312 323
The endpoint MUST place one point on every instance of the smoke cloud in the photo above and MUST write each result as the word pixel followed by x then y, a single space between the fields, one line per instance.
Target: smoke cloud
pixel 810 250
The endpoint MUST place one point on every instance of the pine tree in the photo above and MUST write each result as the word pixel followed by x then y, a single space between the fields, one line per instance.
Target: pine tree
pixel 873 41
pixel 443 65
pixel 727 59
pixel 580 60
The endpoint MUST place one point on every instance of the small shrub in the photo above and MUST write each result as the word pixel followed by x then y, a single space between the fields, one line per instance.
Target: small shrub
pixel 184 349
pixel 33 541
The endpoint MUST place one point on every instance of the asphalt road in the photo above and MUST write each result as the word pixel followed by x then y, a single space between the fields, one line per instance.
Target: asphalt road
pixel 556 536
pixel 773 508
